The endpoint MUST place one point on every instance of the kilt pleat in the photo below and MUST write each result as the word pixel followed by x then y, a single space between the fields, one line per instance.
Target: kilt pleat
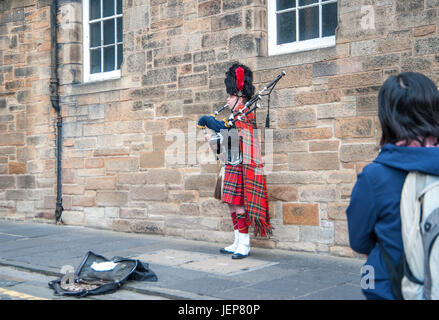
pixel 233 189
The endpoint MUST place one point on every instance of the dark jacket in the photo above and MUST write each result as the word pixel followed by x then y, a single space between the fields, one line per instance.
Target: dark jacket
pixel 212 123
pixel 373 214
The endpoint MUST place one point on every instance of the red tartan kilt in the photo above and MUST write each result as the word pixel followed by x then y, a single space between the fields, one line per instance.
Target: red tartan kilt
pixel 233 189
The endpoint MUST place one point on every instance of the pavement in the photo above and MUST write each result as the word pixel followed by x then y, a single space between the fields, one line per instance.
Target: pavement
pixel 186 269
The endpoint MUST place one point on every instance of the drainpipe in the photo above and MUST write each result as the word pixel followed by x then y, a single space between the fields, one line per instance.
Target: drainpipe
pixel 54 98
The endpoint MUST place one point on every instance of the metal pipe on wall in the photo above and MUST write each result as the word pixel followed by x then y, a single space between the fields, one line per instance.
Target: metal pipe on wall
pixel 54 98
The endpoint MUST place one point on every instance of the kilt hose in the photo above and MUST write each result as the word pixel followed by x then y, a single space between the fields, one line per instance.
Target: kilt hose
pixel 241 222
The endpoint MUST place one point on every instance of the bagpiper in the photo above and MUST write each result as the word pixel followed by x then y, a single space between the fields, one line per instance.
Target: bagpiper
pixel 244 185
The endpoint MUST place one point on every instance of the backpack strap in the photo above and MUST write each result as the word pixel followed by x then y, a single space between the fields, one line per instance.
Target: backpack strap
pixel 395 273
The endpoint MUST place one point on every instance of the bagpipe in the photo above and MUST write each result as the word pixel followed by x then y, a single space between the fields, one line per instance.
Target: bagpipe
pixel 209 121
pixel 212 123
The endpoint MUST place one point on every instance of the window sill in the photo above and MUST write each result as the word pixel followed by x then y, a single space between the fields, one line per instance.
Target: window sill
pixel 95 81
pixel 297 58
pixel 308 45
pixel 96 86
pixel 99 77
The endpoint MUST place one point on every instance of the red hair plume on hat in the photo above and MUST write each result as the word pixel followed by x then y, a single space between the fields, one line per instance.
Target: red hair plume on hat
pixel 239 72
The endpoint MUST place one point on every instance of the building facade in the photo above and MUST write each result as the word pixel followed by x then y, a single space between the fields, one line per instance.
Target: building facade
pixel 135 76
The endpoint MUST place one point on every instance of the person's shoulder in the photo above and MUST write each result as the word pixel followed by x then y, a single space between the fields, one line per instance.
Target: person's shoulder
pixel 372 168
pixel 373 171
pixel 377 174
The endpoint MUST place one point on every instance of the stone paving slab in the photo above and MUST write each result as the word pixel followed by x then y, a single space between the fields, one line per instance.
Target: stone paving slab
pixel 212 263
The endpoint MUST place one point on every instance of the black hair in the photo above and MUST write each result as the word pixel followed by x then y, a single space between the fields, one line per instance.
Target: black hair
pixel 408 108
pixel 230 81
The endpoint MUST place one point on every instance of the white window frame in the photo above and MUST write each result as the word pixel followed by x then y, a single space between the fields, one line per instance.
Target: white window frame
pixel 297 46
pixel 88 77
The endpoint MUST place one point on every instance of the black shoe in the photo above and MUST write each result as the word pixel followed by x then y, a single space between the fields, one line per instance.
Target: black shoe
pixel 223 250
pixel 239 256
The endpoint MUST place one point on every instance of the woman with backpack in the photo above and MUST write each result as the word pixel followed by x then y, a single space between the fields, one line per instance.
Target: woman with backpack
pixel 408 110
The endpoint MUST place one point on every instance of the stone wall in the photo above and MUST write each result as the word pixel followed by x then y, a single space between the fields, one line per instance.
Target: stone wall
pixel 27 152
pixel 119 135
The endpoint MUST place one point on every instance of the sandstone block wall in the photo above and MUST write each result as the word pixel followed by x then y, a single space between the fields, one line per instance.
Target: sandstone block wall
pixel 27 147
pixel 121 136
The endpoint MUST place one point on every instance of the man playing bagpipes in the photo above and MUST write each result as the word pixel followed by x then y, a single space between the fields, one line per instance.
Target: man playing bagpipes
pixel 244 186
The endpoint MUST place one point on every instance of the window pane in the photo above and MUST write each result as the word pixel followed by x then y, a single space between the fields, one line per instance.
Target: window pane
pixel 119 29
pixel 95 61
pixel 95 34
pixel 109 31
pixel 306 2
pixel 119 6
pixel 286 27
pixel 109 56
pixel 108 7
pixel 309 23
pixel 285 4
pixel 95 9
pixel 119 56
pixel 329 19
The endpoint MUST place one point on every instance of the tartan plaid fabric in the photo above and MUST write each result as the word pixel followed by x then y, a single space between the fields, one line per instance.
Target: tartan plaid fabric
pixel 233 189
pixel 243 222
pixel 254 182
pixel 235 221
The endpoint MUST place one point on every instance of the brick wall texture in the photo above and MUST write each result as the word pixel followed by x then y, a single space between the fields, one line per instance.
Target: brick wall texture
pixel 120 135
